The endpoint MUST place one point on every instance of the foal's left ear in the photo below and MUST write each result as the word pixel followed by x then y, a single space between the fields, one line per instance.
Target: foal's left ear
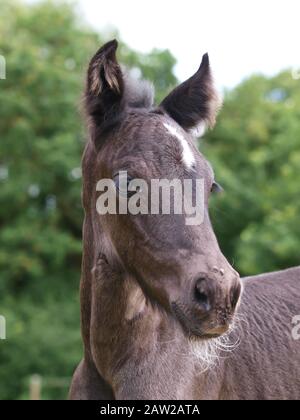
pixel 195 102
pixel 105 85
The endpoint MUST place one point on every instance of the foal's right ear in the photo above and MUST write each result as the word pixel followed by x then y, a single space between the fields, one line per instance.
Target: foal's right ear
pixel 105 86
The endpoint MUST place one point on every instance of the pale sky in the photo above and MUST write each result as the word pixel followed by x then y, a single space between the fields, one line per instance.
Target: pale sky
pixel 241 36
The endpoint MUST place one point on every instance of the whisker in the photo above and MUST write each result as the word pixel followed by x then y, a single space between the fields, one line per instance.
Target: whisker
pixel 209 353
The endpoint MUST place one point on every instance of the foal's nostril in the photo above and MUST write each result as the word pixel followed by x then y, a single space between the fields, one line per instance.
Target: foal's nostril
pixel 235 295
pixel 201 295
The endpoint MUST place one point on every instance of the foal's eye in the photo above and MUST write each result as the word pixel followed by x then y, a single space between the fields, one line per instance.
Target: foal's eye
pixel 216 188
pixel 122 182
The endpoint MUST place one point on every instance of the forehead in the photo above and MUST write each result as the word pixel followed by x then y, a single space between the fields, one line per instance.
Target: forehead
pixel 157 140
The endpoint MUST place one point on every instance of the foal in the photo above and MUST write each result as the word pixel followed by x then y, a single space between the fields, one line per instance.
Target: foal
pixel 157 294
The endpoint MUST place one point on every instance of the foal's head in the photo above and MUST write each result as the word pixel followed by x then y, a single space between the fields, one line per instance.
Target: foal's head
pixel 177 264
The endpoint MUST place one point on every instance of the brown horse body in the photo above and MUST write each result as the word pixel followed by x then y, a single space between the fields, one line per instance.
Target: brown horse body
pixel 158 298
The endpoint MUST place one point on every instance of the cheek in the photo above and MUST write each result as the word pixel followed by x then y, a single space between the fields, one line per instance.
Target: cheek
pixel 164 232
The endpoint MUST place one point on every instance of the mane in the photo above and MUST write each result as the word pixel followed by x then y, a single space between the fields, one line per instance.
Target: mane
pixel 139 93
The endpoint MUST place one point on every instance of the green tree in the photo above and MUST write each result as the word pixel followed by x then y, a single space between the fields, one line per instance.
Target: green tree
pixel 255 149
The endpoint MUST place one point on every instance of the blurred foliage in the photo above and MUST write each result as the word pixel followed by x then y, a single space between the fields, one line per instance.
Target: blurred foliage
pixel 255 150
pixel 47 48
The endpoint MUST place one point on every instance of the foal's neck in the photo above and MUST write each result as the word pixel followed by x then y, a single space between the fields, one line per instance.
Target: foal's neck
pixel 136 342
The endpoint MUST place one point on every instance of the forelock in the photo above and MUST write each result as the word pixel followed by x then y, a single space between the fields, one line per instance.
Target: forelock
pixel 139 93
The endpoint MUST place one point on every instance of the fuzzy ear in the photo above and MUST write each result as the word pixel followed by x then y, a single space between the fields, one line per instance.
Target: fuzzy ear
pixel 105 86
pixel 195 102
